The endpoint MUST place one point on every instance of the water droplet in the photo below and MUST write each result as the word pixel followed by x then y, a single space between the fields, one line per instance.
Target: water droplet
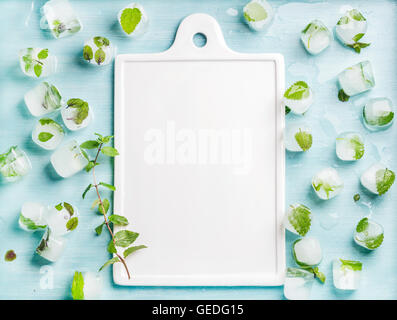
pixel 232 12
pixel 329 220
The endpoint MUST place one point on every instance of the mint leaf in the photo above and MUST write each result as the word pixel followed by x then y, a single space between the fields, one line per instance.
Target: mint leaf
pixel 82 107
pixel 342 96
pixel 90 144
pixel 287 110
pixel 86 190
pixel 101 41
pixel 384 180
pixel 29 224
pixel 352 265
pixel 374 242
pixel 300 219
pixel 384 120
pixel 78 286
pixel 45 136
pixel 254 11
pixel 358 36
pixel 129 19
pixel 358 46
pixel 109 262
pixel 90 165
pixel 100 56
pixel 111 247
pixel 10 256
pixel 343 20
pixel 358 147
pixel 356 15
pixel 326 186
pixel 110 151
pixel 130 250
pixel 362 225
pixel 106 205
pixel 38 69
pixel 356 197
pixel 124 238
pixel 118 220
pixel 304 140
pixel 298 91
pixel 88 54
pixel 109 186
pixel 317 274
pixel 44 121
pixel 69 208
pixel 59 207
pixel 72 224
pixel 43 54
pixel 99 229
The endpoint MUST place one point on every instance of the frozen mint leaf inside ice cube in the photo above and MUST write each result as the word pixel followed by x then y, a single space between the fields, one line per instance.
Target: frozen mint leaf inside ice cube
pixel 300 219
pixel 43 54
pixel 352 265
pixel 129 19
pixel 45 136
pixel 78 286
pixel 88 54
pixel 254 12
pixel 299 90
pixel 384 180
pixel 362 225
pixel 358 147
pixel 304 140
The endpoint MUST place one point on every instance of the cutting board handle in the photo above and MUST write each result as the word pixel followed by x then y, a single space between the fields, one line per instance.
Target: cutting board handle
pixel 204 24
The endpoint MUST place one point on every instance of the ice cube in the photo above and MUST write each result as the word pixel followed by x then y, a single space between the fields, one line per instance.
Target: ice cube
pixel 51 246
pixel 14 164
pixel 355 80
pixel 62 218
pixel 351 28
pixel 43 99
pixel 378 114
pixel 298 137
pixel 98 51
pixel 327 183
pixel 48 133
pixel 69 159
pixel 349 146
pixel 346 274
pixel 60 18
pixel 369 234
pixel 298 97
pixel 92 286
pixel 77 114
pixel 298 219
pixel 378 179
pixel 37 62
pixel 258 14
pixel 31 217
pixel 316 37
pixel 307 252
pixel 298 284
pixel 133 20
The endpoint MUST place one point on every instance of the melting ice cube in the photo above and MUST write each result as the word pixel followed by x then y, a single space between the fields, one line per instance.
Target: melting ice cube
pixel 327 183
pixel 14 164
pixel 98 51
pixel 77 114
pixel 258 14
pixel 51 246
pixel 37 62
pixel 369 234
pixel 350 146
pixel 298 284
pixel 69 159
pixel 92 285
pixel 378 179
pixel 60 18
pixel 62 218
pixel 378 114
pixel 355 80
pixel 298 97
pixel 48 133
pixel 298 219
pixel 298 137
pixel 31 217
pixel 307 252
pixel 316 37
pixel 346 274
pixel 43 99
pixel 133 20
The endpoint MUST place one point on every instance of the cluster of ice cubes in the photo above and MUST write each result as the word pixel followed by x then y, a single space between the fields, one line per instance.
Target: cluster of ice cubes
pixel 98 51
pixel 258 14
pixel 369 234
pixel 57 221
pixel 327 183
pixel 316 37
pixel 378 113
pixel 350 146
pixel 60 18
pixel 14 164
pixel 133 20
pixel 37 62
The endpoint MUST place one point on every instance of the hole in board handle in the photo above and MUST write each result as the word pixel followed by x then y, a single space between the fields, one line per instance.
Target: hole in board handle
pixel 199 40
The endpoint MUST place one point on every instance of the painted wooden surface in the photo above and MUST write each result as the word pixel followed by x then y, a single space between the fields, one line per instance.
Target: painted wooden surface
pixel 29 277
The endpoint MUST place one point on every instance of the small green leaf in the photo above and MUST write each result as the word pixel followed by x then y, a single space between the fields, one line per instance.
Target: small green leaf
pixel 352 265
pixel 43 54
pixel 356 15
pixel 118 220
pixel 358 36
pixel 129 19
pixel 298 91
pixel 100 56
pixel 111 247
pixel 109 262
pixel 356 197
pixel 69 208
pixel 384 180
pixel 38 69
pixel 72 224
pixel 287 110
pixel 90 144
pixel 95 204
pixel 10 256
pixel 110 151
pixel 90 165
pixel 59 207
pixel 317 274
pixel 342 96
pixel 362 225
pixel 300 219
pixel 86 190
pixel 385 119
pixel 101 41
pixel 124 238
pixel 78 286
pixel 304 139
pixel 374 242
pixel 109 186
pixel 254 11
pixel 130 250
pixel 99 229
pixel 45 136
pixel 29 224
pixel 358 147
pixel 106 205
pixel 88 54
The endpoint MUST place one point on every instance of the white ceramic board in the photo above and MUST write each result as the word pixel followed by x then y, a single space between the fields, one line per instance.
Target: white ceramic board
pixel 201 171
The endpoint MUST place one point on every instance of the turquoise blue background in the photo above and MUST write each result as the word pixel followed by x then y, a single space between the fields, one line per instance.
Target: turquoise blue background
pixel 86 252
